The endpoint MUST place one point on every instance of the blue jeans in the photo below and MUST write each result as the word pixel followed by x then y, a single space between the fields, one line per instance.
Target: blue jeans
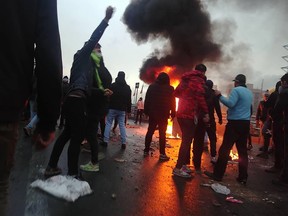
pixel 8 141
pixel 33 122
pixel 120 116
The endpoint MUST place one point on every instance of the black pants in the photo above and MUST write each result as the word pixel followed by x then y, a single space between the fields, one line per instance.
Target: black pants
pixel 236 131
pixel 74 130
pixel 91 135
pixel 187 127
pixel 162 126
pixel 284 173
pixel 211 131
pixel 139 115
pixel 278 140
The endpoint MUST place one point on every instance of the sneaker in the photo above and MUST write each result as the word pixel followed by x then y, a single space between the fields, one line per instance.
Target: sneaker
pixel 186 169
pixel 213 160
pixel 181 173
pixel 49 172
pixel 123 146
pixel 164 157
pixel 90 167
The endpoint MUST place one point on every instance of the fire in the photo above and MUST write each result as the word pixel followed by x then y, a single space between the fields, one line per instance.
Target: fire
pixel 233 155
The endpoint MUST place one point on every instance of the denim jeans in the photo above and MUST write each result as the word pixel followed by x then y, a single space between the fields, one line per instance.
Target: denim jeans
pixel 120 116
pixel 33 122
pixel 8 141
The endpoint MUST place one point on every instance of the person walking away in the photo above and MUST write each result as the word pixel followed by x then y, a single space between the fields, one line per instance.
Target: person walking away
pixel 281 106
pixel 213 105
pixel 31 35
pixel 192 103
pixel 65 89
pixel 161 93
pixel 81 83
pixel 264 120
pixel 97 107
pixel 119 104
pixel 239 105
pixel 140 110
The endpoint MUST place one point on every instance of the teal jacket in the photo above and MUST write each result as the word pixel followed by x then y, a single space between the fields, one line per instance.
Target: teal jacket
pixel 239 103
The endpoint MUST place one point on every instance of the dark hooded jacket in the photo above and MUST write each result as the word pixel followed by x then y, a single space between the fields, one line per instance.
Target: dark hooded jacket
pixel 121 97
pixel 30 32
pixel 160 101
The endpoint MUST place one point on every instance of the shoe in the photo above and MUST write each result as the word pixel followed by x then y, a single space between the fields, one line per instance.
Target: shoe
pixel 186 169
pixel 90 167
pixel 212 176
pixel 123 146
pixel 263 155
pixel 181 173
pixel 242 181
pixel 104 144
pixel 27 131
pixel 164 157
pixel 49 172
pixel 213 160
pixel 272 169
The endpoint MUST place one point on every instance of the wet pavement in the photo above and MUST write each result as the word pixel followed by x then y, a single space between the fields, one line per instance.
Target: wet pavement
pixel 129 184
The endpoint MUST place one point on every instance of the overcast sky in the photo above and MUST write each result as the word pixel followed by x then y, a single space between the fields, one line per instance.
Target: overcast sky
pixel 252 34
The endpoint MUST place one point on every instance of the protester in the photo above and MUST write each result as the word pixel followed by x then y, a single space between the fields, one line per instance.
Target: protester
pixel 277 130
pixel 191 107
pixel 264 120
pixel 161 93
pixel 239 105
pixel 65 89
pixel 119 104
pixel 97 107
pixel 31 34
pixel 140 110
pixel 213 105
pixel 281 106
pixel 82 76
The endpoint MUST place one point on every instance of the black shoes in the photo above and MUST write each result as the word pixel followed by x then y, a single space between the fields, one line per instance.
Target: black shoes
pixel 123 146
pixel 212 176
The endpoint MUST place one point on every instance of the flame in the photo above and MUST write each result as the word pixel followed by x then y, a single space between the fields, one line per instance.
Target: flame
pixel 234 155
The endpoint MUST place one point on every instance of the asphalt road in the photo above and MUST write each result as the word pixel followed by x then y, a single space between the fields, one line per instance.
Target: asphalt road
pixel 129 184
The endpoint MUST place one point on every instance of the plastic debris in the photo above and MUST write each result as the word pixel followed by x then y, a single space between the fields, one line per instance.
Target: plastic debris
pixel 231 199
pixel 218 188
pixel 65 187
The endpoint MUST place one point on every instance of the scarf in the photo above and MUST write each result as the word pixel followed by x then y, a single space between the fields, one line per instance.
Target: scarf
pixel 96 60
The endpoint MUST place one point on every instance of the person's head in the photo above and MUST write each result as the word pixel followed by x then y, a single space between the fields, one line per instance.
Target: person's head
pixel 284 81
pixel 65 79
pixel 121 76
pixel 266 95
pixel 201 67
pixel 163 78
pixel 209 84
pixel 240 79
pixel 97 49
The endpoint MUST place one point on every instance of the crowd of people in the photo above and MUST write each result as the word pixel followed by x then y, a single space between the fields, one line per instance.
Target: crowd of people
pixel 91 97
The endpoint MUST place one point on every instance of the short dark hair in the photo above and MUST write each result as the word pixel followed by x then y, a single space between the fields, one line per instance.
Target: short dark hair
pixel 201 67
pixel 284 77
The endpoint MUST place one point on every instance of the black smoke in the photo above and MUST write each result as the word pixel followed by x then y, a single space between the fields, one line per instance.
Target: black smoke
pixel 184 23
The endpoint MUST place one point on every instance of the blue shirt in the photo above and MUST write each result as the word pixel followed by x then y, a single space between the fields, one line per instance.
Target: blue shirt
pixel 239 103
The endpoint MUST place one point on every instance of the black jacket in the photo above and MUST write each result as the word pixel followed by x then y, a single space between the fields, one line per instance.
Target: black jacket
pixel 121 97
pixel 30 31
pixel 213 105
pixel 159 99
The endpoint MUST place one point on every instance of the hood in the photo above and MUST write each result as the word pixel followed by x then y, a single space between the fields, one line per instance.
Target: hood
pixel 163 79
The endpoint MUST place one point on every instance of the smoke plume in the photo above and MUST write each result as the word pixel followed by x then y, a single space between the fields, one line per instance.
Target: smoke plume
pixel 184 27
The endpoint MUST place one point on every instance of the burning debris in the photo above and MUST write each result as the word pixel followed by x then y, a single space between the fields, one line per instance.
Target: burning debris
pixel 185 29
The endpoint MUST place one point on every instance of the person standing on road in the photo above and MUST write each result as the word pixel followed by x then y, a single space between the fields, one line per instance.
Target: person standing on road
pixel 30 33
pixel 239 105
pixel 119 104
pixel 81 83
pixel 159 106
pixel 191 107
pixel 140 110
